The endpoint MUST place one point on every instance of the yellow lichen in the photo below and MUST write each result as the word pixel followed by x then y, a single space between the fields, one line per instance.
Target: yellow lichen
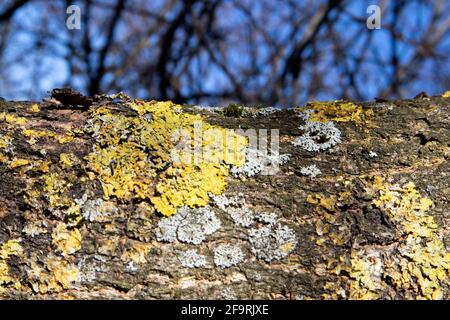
pixel 5 278
pixel 41 165
pixel 108 245
pixel 136 253
pixel 123 171
pixel 53 187
pixel 18 163
pixel 35 108
pixel 188 185
pixel 8 249
pixel 63 273
pixel 36 133
pixel 12 119
pixel 328 203
pixel 5 141
pixel 64 138
pixel 425 263
pixel 66 241
pixel 56 187
pixel 32 135
pixel 446 94
pixel 66 160
pixel 3 158
pixel 365 271
pixel 416 265
pixel 54 276
pixel 143 165
pixel 338 112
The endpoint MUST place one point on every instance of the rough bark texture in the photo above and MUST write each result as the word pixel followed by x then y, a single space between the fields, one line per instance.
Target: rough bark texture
pixel 373 224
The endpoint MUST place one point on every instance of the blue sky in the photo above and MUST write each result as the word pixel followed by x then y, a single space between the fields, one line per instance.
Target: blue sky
pixel 37 73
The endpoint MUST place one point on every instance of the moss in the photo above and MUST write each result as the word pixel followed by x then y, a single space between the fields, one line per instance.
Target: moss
pixel 233 110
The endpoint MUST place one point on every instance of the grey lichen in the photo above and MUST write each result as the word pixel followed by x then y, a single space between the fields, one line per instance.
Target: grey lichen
pixel 227 255
pixel 305 114
pixel 266 111
pixel 241 215
pixel 268 218
pixel 191 259
pixel 252 166
pixel 189 225
pixel 311 171
pixel 9 147
pixel 236 209
pixel 257 161
pixel 167 228
pixel 35 228
pixel 228 294
pixel 318 136
pixel 130 267
pixel 94 209
pixel 90 209
pixel 272 242
pixel 223 202
pixel 90 267
pixel 373 154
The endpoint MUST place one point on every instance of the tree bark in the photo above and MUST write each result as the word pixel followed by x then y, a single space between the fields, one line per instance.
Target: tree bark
pixel 362 229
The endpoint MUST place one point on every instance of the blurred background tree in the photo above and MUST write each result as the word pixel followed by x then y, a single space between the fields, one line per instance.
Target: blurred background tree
pixel 269 52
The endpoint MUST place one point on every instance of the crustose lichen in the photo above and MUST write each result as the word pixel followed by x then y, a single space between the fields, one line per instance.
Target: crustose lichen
pixel 272 242
pixel 227 255
pixel 188 225
pixel 318 136
pixel 310 171
pixel 257 161
pixel 191 259
pixel 269 242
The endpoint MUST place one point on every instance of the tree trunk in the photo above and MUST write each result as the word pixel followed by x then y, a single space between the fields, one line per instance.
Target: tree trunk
pixel 373 223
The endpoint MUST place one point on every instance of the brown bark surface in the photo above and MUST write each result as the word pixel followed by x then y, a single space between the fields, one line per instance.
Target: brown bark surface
pixel 373 224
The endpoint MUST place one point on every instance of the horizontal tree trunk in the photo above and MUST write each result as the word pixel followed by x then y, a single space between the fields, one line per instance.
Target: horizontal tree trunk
pixel 359 210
